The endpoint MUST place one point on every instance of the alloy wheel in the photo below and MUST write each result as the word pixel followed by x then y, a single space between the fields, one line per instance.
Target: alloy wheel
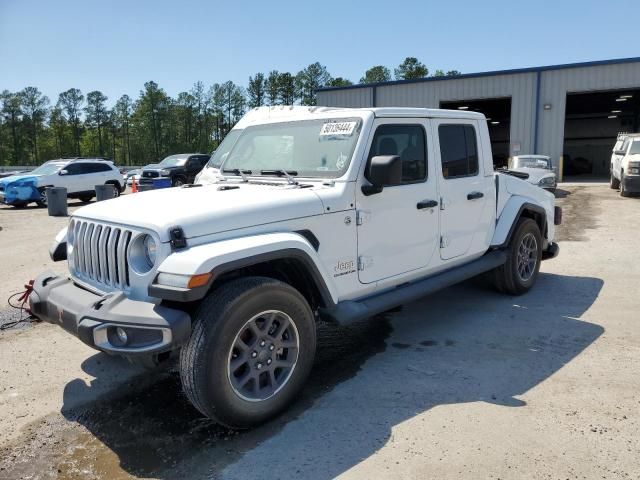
pixel 527 257
pixel 263 356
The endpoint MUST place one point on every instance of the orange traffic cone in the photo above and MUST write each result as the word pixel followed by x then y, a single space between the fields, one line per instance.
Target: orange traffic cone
pixel 134 187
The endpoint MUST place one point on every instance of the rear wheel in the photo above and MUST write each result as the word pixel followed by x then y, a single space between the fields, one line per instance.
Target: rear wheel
pixel 116 189
pixel 519 273
pixel 178 182
pixel 250 351
pixel 85 198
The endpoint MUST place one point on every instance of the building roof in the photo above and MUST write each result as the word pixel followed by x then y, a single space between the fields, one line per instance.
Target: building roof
pixel 489 74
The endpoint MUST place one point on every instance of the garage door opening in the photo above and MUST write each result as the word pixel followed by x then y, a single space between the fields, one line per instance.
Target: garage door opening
pixel 592 123
pixel 498 113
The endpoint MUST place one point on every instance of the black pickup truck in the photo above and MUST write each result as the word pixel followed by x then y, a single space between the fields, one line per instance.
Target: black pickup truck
pixel 181 168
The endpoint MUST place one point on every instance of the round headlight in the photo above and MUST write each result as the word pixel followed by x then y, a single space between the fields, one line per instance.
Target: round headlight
pixel 150 249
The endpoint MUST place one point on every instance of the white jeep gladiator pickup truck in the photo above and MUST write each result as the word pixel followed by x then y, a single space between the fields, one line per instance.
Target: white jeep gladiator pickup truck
pixel 317 213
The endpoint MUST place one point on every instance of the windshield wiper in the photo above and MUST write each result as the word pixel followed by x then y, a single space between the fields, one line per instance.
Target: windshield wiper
pixel 239 172
pixel 282 173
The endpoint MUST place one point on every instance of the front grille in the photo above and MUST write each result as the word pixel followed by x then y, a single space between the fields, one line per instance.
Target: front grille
pixel 100 254
pixel 150 174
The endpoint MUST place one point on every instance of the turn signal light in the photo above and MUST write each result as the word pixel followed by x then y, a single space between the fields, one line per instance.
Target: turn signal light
pixel 199 280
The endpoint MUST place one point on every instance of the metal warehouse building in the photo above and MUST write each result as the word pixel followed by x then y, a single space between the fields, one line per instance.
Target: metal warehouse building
pixel 571 112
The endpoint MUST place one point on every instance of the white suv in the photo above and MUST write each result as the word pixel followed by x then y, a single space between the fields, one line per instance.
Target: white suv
pixel 625 164
pixel 78 176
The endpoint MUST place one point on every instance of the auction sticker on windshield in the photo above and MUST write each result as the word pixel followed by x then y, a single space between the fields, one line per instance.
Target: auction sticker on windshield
pixel 338 128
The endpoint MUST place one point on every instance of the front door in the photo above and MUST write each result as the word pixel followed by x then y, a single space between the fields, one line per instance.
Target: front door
pixel 398 227
pixel 462 186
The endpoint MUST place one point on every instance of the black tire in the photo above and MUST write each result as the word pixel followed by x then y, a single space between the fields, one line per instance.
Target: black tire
pixel 508 278
pixel 614 183
pixel 42 203
pixel 85 198
pixel 206 359
pixel 623 191
pixel 20 205
pixel 178 181
pixel 117 189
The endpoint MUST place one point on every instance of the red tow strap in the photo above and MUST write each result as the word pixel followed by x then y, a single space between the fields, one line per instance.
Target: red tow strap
pixel 24 298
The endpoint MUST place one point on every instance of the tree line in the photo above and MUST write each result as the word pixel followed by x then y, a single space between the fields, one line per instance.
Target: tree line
pixel 144 130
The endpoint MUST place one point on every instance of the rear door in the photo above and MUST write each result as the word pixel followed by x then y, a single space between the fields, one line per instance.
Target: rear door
pixel 462 185
pixel 398 227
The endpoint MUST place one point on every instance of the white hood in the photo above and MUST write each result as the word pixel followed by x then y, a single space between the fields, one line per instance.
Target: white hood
pixel 535 174
pixel 206 209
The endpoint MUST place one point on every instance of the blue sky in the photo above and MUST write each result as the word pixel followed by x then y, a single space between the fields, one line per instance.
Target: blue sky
pixel 115 46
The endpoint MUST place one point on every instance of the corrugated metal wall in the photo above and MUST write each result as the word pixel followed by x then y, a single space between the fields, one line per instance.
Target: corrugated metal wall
pixel 554 86
pixel 521 87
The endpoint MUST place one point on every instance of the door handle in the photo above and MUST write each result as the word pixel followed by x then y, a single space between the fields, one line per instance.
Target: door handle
pixel 426 204
pixel 475 195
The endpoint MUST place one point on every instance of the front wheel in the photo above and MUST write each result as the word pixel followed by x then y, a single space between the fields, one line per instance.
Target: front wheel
pixel 614 183
pixel 623 191
pixel 250 351
pixel 519 273
pixel 42 203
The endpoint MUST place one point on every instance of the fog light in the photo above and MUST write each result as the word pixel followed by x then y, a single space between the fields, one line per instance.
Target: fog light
pixel 122 335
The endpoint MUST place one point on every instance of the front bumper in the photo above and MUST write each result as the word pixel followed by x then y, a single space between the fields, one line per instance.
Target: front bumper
pixel 631 183
pixel 95 319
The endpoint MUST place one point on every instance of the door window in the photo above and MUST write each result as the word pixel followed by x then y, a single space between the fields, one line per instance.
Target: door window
pixel 77 169
pixel 458 151
pixel 409 143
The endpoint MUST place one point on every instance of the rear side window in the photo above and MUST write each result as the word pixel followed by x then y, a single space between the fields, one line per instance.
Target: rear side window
pixel 458 151
pixel 409 143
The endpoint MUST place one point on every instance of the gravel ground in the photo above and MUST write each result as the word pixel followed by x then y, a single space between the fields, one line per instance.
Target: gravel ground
pixel 466 383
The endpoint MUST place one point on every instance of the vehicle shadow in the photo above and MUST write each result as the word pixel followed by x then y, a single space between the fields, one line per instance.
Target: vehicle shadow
pixel 464 344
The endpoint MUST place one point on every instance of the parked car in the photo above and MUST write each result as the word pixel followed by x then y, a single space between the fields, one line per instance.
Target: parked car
pixel 539 169
pixel 181 169
pixel 334 214
pixel 78 176
pixel 130 175
pixel 625 164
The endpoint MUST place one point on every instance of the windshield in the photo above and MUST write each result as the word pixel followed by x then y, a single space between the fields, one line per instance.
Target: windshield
pixel 46 169
pixel 220 154
pixel 309 148
pixel 529 162
pixel 635 147
pixel 173 161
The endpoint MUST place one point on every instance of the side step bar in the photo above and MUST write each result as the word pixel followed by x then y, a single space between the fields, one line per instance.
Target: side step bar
pixel 351 311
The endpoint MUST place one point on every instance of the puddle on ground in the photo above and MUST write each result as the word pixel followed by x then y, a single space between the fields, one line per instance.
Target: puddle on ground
pixel 156 431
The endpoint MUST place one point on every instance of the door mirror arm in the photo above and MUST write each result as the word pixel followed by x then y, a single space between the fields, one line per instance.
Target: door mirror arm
pixel 382 171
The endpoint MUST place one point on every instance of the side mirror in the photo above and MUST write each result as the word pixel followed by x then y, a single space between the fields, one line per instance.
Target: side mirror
pixel 63 172
pixel 383 171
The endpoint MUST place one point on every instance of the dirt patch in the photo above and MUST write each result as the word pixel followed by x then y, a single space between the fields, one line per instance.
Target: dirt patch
pixel 156 432
pixel 580 208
